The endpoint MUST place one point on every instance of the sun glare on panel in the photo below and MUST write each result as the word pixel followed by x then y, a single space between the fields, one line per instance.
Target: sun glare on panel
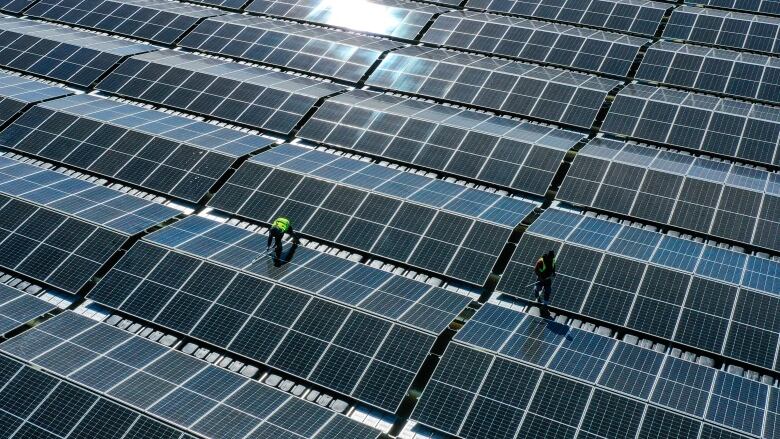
pixel 360 15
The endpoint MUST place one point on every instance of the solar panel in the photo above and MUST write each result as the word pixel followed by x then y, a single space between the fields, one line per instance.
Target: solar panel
pixel 523 89
pixel 695 121
pixel 36 404
pixel 635 16
pixel 495 150
pixel 699 194
pixel 161 21
pixel 484 387
pixel 18 308
pixel 432 224
pixel 739 74
pixel 540 41
pixel 319 51
pixel 226 90
pixel 725 29
pixel 16 93
pixel 161 152
pixel 671 287
pixel 61 230
pixel 189 393
pixel 207 285
pixel 396 18
pixel 60 53
pixel 762 6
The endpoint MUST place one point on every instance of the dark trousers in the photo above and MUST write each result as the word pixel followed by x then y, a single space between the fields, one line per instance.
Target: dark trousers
pixel 544 286
pixel 276 236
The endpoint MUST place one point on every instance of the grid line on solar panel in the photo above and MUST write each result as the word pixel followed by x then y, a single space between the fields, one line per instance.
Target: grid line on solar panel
pixel 160 21
pixel 69 55
pixel 183 390
pixel 18 308
pixel 539 41
pixel 678 289
pixel 36 404
pixel 738 74
pixel 157 151
pixel 432 224
pixel 245 94
pixel 348 351
pixel 769 7
pixel 547 93
pixel 17 92
pixel 635 16
pixel 479 368
pixel 499 151
pixel 396 18
pixel 319 51
pixel 726 127
pixel 725 29
pixel 718 198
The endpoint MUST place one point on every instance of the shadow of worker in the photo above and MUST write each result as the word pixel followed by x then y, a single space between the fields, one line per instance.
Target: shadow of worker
pixel 286 256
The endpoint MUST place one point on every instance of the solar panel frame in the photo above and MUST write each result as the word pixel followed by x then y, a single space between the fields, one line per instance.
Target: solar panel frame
pixel 18 308
pixel 234 92
pixel 554 95
pixel 16 93
pixel 162 22
pixel 536 41
pixel 499 151
pixel 314 50
pixel 761 6
pixel 174 155
pixel 224 403
pixel 60 53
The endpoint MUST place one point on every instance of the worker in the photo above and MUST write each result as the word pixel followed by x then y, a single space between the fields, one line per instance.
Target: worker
pixel 279 227
pixel 545 270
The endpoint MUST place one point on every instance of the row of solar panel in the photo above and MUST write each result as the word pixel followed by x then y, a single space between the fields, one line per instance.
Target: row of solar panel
pixel 180 389
pixel 711 298
pixel 711 197
pixel 503 377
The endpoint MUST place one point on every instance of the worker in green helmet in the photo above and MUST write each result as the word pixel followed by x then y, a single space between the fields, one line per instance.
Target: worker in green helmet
pixel 279 227
pixel 544 270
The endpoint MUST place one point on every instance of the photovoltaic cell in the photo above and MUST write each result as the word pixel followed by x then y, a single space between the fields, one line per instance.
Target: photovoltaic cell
pixel 18 308
pixel 35 404
pixel 17 92
pixel 725 29
pixel 761 6
pixel 498 151
pixel 155 20
pixel 61 230
pixel 703 195
pixel 531 40
pixel 677 289
pixel 739 74
pixel 400 19
pixel 319 51
pixel 225 90
pixel 635 16
pixel 254 311
pixel 547 93
pixel 196 396
pixel 695 121
pixel 60 53
pixel 339 199
pixel 157 151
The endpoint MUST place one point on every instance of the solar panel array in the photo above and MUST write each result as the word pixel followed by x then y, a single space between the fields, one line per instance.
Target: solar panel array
pixel 562 96
pixel 698 194
pixel 189 393
pixel 16 93
pixel 36 404
pixel 428 223
pixel 319 51
pixel 170 154
pixel 511 375
pixel 494 150
pixel 225 90
pixel 428 152
pixel 159 21
pixel 64 54
pixel 708 297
